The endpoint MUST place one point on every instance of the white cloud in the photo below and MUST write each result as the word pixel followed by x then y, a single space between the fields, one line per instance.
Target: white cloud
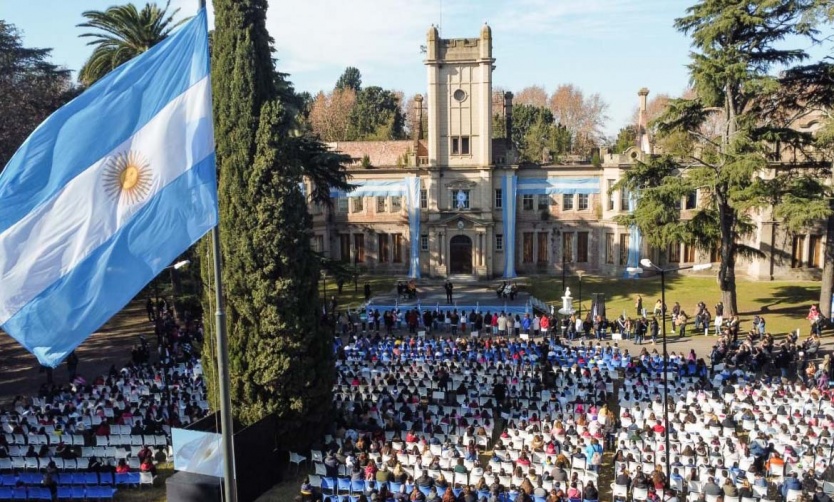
pixel 316 39
pixel 312 35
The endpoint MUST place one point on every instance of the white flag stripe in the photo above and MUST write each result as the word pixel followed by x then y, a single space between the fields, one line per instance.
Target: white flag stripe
pixel 54 238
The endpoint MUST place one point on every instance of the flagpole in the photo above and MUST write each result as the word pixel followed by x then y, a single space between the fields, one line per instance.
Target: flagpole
pixel 226 426
pixel 224 381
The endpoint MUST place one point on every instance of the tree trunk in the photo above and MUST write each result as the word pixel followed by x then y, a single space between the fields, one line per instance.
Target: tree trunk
pixel 727 269
pixel 827 286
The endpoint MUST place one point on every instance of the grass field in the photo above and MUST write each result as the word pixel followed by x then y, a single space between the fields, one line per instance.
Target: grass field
pixel 784 305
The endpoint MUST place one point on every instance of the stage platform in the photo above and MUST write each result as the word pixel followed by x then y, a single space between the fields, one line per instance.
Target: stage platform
pixel 467 296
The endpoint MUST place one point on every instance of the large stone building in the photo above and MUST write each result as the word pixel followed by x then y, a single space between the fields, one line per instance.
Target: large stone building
pixel 453 201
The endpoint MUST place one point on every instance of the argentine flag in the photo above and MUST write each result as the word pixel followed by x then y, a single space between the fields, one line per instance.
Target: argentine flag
pixel 105 194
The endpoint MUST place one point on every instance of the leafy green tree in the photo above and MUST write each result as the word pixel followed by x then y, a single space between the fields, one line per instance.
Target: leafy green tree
pixel 626 138
pixel 350 79
pixel 536 136
pixel 377 115
pixel 31 88
pixel 718 141
pixel 122 33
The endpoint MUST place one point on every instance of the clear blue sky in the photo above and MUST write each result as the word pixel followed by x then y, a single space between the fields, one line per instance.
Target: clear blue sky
pixel 613 47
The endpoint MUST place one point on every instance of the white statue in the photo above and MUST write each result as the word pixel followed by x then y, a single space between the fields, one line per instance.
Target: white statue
pixel 461 197
pixel 567 293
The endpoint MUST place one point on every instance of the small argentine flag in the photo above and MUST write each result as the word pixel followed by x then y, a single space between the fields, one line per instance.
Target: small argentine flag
pixel 106 193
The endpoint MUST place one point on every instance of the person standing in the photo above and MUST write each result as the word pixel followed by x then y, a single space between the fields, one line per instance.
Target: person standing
pixel 72 365
pixel 681 321
pixel 638 304
pixel 150 309
pixel 653 329
pixel 449 288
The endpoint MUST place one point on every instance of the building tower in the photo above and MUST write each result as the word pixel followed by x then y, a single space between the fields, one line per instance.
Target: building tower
pixel 460 99
pixel 643 140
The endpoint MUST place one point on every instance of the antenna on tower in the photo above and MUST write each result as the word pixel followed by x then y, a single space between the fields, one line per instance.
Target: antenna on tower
pixel 440 24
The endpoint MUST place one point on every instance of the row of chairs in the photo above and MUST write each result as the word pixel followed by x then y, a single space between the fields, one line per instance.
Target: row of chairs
pixel 64 492
pixel 131 440
pixel 35 464
pixel 120 438
pixel 81 478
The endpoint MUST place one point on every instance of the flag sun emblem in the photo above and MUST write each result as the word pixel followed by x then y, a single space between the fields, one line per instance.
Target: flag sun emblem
pixel 128 177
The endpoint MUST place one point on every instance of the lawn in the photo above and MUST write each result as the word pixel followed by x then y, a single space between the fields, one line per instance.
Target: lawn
pixel 784 305
pixel 353 295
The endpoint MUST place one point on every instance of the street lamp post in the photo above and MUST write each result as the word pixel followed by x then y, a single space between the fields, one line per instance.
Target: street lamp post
pixel 647 263
pixel 580 274
pixel 175 283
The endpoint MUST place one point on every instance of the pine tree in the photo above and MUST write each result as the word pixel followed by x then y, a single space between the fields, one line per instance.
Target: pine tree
pixel 31 88
pixel 719 142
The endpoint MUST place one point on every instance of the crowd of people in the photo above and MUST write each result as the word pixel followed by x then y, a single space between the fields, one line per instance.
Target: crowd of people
pixel 426 412
pixel 91 434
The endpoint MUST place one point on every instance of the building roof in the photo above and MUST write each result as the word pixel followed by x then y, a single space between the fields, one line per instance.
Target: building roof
pixel 380 153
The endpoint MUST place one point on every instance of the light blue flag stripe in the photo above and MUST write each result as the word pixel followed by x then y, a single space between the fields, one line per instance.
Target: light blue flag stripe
pixel 558 185
pixel 510 195
pixel 126 99
pixel 412 191
pixel 84 233
pixel 372 188
pixel 634 240
pixel 63 315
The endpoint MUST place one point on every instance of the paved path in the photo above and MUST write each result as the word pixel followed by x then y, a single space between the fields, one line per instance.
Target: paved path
pixel 431 295
pixel 112 344
pixel 469 293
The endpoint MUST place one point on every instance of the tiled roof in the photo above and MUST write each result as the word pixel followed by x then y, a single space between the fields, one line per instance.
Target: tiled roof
pixel 381 153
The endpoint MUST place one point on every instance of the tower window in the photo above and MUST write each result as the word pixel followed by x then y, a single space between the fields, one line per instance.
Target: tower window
pixel 460 145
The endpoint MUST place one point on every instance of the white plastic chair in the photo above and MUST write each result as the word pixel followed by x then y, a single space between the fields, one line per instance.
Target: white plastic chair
pixel 297 459
pixel 639 494
pixel 793 495
pixel 619 492
pixel 146 478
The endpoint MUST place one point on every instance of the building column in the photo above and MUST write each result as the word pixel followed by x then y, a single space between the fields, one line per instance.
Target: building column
pixel 534 244
pixel 549 248
pixel 441 249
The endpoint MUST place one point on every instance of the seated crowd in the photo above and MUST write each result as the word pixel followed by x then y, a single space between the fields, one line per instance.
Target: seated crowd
pixel 85 437
pixel 417 415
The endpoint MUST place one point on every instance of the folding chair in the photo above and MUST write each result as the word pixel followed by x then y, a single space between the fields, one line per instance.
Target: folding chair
pixel 297 459
pixel 619 492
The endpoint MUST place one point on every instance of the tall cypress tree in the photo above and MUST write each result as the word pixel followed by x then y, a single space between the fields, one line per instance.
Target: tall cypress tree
pixel 291 360
pixel 280 357
pixel 242 81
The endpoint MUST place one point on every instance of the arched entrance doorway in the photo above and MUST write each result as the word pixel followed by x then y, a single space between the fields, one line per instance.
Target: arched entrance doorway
pixel 460 255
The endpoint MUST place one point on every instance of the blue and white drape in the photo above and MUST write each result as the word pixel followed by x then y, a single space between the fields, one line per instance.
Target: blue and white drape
pixel 557 185
pixel 509 188
pixel 634 239
pixel 409 188
pixel 374 188
pixel 412 195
